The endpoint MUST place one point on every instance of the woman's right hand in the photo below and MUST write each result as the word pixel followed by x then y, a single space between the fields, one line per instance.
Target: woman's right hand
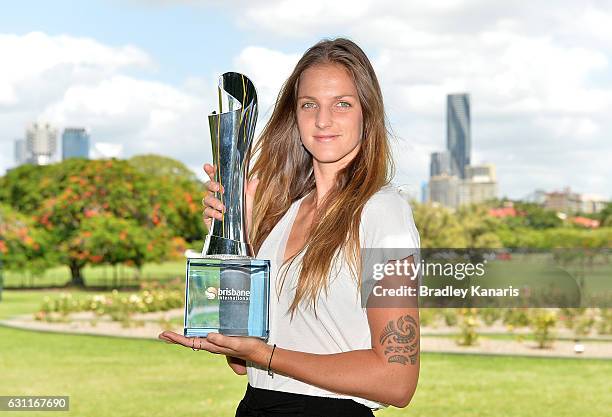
pixel 213 208
pixel 237 365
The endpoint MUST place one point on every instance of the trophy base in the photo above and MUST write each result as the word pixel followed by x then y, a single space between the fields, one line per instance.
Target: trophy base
pixel 227 296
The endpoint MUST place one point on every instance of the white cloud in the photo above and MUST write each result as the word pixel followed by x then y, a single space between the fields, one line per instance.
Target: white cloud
pixel 538 74
pixel 268 69
pixel 35 61
pixel 297 18
pixel 81 82
pixel 146 116
pixel 538 77
pixel 71 81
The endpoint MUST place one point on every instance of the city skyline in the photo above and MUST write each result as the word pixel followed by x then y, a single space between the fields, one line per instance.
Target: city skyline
pixel 540 96
pixel 454 179
pixel 39 145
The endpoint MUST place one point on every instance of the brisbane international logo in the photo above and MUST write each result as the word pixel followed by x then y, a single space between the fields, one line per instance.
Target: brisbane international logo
pixel 211 293
pixel 227 294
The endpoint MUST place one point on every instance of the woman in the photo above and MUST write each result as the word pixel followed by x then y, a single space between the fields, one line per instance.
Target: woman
pixel 317 194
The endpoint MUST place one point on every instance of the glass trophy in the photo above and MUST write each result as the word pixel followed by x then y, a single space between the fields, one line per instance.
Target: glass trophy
pixel 227 290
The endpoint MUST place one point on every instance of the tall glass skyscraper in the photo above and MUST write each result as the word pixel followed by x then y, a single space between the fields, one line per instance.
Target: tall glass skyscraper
pixel 75 143
pixel 458 132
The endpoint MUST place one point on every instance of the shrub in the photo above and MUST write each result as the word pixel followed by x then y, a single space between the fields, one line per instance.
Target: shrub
pixel 468 324
pixel 450 317
pixel 543 322
pixel 490 315
pixel 119 307
pixel 604 324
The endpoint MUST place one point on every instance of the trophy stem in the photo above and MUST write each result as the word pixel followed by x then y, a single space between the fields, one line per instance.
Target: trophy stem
pixel 220 245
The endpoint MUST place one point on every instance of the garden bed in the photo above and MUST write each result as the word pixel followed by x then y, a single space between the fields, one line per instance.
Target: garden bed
pixel 141 325
pixel 438 339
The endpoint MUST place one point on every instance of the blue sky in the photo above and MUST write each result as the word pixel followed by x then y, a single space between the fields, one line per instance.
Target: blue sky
pixel 184 39
pixel 180 38
pixel 142 74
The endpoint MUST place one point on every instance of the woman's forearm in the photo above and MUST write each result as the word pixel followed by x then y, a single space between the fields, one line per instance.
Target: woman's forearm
pixel 360 373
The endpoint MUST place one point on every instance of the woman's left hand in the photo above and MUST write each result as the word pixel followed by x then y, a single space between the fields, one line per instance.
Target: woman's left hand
pixel 247 348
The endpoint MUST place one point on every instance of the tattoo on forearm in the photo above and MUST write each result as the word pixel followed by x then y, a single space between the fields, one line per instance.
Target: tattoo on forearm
pixel 400 340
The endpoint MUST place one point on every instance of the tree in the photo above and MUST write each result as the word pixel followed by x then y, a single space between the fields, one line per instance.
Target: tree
pixel 161 166
pixel 605 216
pixel 111 240
pixel 534 217
pixel 522 237
pixel 62 196
pixel 479 228
pixel 26 187
pixel 438 227
pixel 568 237
pixel 180 193
pixel 21 242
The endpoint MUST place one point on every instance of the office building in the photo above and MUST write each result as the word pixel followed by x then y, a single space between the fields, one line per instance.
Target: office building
pixel 443 190
pixel 21 153
pixel 570 202
pixel 439 164
pixel 458 132
pixel 564 201
pixel 592 203
pixel 41 143
pixel 479 185
pixel 424 192
pixel 75 143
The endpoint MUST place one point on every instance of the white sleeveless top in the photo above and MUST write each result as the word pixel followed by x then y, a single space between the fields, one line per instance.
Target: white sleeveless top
pixel 341 323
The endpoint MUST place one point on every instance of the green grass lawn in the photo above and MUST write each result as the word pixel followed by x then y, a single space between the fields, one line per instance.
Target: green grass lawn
pixel 528 336
pixel 126 377
pixel 96 275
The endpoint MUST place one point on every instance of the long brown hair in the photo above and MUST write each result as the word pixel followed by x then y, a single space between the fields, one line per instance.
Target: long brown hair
pixel 285 171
